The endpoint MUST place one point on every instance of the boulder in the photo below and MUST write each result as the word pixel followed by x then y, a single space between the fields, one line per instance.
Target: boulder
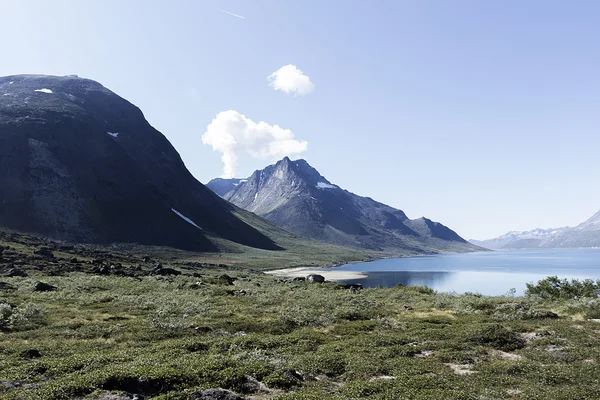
pixel 44 252
pixel 16 272
pixel 43 287
pixel 214 394
pixel 164 271
pixel 314 278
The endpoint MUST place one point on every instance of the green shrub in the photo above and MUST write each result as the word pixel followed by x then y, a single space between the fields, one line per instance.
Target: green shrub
pixel 498 337
pixel 24 318
pixel 555 288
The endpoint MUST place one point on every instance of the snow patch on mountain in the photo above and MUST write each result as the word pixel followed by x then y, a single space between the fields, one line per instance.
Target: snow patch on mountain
pixel 325 185
pixel 186 219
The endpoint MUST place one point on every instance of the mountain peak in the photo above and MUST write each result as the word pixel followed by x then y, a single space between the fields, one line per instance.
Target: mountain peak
pixel 295 196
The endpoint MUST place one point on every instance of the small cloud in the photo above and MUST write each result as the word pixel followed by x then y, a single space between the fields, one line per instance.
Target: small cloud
pixel 232 134
pixel 289 79
pixel 230 13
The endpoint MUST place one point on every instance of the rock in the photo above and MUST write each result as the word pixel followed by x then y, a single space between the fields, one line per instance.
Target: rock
pixel 214 394
pixel 253 385
pixel 299 279
pixel 314 278
pixel 352 286
pixel 43 287
pixel 164 271
pixel 408 308
pixel 44 252
pixel 31 354
pixel 226 278
pixel 74 260
pixel 16 272
pixel 4 285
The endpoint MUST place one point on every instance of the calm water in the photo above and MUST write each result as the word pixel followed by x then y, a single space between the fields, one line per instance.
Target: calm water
pixel 490 273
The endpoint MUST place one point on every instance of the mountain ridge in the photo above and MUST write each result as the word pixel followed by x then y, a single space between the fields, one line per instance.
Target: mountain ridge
pixel 296 197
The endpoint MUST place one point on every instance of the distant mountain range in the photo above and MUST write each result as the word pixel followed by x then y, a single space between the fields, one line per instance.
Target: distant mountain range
pixel 519 239
pixel 81 164
pixel 585 235
pixel 295 196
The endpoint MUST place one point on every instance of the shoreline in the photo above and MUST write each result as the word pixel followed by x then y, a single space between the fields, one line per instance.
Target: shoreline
pixel 333 276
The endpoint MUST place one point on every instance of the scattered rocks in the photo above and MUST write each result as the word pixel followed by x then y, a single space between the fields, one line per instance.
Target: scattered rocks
pixel 16 272
pixel 31 354
pixel 214 394
pixel 315 278
pixel 43 287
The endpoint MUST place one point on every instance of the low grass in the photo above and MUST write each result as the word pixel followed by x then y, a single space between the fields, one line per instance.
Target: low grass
pixel 166 337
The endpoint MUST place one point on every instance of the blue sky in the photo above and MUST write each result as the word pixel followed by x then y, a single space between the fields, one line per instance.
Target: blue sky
pixel 482 115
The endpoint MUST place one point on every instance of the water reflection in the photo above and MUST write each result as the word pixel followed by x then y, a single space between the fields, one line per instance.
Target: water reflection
pixel 430 279
pixel 492 273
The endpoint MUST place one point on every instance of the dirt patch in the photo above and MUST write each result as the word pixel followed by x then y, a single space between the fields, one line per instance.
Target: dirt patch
pixel 507 356
pixel 461 369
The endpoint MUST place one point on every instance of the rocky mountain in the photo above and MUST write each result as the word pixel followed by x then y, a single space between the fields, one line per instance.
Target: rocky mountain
pixel 519 239
pixel 79 163
pixel 223 186
pixel 295 196
pixel 584 235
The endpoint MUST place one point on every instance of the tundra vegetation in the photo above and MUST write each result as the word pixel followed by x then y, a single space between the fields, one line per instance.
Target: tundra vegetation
pixel 117 324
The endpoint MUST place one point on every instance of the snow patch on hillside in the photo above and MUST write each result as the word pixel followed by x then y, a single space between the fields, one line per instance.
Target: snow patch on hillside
pixel 186 219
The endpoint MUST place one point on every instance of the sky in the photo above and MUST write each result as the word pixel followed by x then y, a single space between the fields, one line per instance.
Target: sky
pixel 483 115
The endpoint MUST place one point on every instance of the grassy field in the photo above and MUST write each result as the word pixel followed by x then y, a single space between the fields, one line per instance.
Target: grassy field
pixel 132 328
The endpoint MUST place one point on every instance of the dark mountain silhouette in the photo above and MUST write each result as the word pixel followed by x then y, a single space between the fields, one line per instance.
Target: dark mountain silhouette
pixel 79 163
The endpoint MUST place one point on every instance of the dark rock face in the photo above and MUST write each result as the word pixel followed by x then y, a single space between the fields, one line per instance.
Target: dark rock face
pixel 79 163
pixel 295 196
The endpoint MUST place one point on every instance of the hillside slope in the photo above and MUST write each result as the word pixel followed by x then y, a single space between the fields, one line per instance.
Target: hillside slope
pixel 81 164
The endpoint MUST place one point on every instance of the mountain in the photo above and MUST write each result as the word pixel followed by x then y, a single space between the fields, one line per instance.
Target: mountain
pixel 586 234
pixel 223 186
pixel 295 196
pixel 79 163
pixel 519 239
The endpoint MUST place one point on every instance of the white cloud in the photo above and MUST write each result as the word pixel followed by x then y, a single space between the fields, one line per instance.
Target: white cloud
pixel 289 79
pixel 232 133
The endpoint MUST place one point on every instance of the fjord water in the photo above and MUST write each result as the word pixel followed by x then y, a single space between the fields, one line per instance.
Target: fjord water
pixel 488 273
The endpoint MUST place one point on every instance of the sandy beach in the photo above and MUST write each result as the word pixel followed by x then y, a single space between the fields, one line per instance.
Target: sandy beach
pixel 330 275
